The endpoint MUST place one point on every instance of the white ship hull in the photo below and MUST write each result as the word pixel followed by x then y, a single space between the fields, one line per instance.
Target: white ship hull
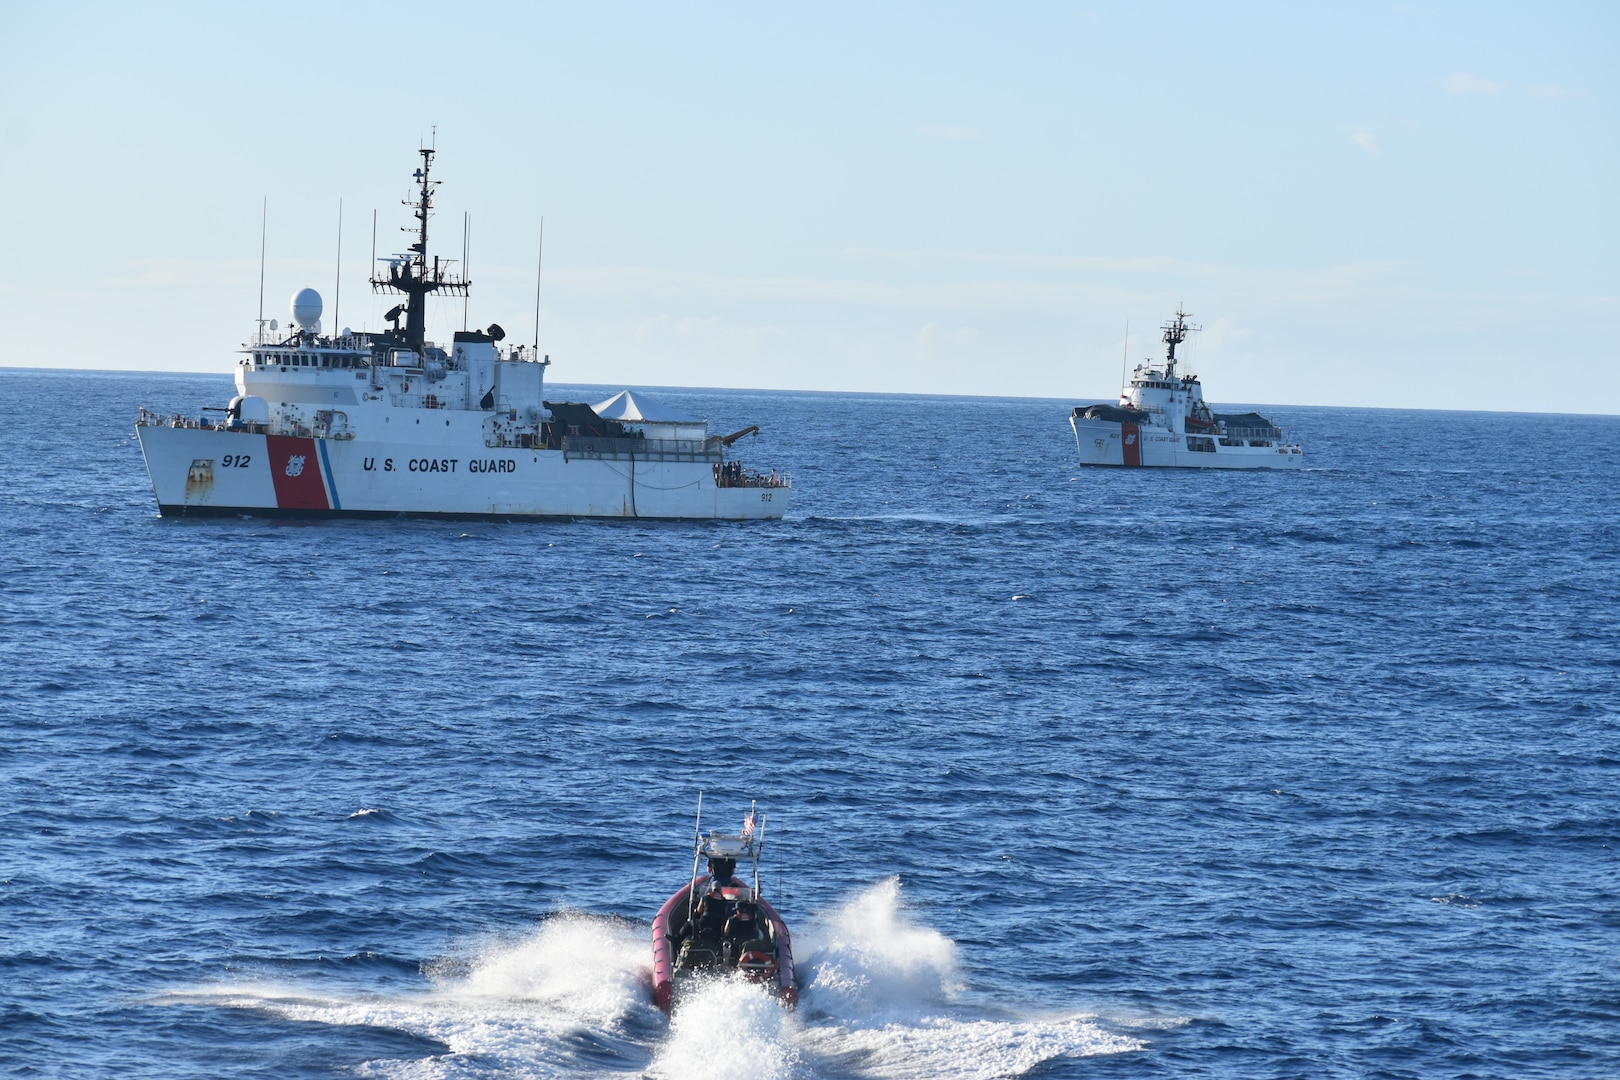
pixel 1128 445
pixel 200 471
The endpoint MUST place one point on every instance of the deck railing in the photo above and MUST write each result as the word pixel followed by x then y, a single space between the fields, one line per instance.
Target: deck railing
pixel 1251 432
pixel 595 446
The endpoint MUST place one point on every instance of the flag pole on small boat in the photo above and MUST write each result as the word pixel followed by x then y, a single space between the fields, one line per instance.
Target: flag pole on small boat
pixel 697 829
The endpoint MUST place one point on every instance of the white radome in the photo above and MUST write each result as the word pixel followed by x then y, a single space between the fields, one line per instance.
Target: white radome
pixel 306 309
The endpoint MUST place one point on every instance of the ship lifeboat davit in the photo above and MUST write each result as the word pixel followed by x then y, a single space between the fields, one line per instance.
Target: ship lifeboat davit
pixel 718 926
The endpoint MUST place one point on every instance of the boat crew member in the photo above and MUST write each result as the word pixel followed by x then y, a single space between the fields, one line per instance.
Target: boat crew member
pixel 709 910
pixel 722 873
pixel 713 909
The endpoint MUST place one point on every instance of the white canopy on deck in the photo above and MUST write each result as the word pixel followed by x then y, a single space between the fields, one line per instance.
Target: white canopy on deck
pixel 626 408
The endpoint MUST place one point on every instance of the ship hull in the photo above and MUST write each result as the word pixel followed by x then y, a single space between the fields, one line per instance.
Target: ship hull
pixel 1125 445
pixel 208 472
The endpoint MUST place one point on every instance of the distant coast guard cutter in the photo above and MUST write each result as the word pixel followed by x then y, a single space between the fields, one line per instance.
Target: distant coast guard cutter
pixel 388 423
pixel 1162 421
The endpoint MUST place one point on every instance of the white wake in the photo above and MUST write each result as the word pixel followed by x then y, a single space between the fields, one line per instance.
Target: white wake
pixel 879 999
pixel 519 1009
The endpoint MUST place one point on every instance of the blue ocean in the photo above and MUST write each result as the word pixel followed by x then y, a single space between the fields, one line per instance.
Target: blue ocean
pixel 1066 772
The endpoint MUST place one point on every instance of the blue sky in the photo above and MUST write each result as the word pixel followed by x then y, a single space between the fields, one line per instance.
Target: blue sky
pixel 1363 204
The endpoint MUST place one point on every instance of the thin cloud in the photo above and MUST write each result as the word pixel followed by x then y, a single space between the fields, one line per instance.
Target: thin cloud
pixel 1367 141
pixel 956 133
pixel 698 330
pixel 1464 83
pixel 931 337
pixel 1143 265
pixel 985 296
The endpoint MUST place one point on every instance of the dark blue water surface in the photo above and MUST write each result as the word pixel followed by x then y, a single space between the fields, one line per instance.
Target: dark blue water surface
pixel 1069 773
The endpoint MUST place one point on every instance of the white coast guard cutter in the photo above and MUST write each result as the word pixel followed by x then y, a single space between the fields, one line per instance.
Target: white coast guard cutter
pixel 1162 420
pixel 389 423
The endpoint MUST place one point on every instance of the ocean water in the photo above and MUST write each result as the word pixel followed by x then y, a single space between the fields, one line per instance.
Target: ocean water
pixel 1068 773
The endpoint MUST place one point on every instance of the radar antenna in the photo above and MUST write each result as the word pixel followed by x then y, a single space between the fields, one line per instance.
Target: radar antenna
pixel 412 274
pixel 1175 332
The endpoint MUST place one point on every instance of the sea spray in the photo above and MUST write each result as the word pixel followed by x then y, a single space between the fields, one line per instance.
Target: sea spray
pixel 879 1001
pixel 867 964
pixel 728 1029
pixel 584 966
pixel 555 1002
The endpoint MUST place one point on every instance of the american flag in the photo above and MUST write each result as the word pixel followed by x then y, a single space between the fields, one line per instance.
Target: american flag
pixel 748 825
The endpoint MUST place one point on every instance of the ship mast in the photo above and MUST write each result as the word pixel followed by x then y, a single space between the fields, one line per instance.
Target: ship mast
pixel 412 274
pixel 1175 332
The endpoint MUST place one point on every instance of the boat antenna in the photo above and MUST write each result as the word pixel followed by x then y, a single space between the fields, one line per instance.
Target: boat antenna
pixel 466 236
pixel 414 274
pixel 264 222
pixel 1124 357
pixel 759 846
pixel 1175 332
pixel 539 262
pixel 337 289
pixel 697 848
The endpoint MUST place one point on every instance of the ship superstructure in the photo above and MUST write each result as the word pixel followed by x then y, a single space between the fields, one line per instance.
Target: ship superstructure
pixel 386 423
pixel 1162 420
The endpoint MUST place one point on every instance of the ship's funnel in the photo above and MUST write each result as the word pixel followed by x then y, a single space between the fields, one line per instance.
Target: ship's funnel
pixel 306 310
